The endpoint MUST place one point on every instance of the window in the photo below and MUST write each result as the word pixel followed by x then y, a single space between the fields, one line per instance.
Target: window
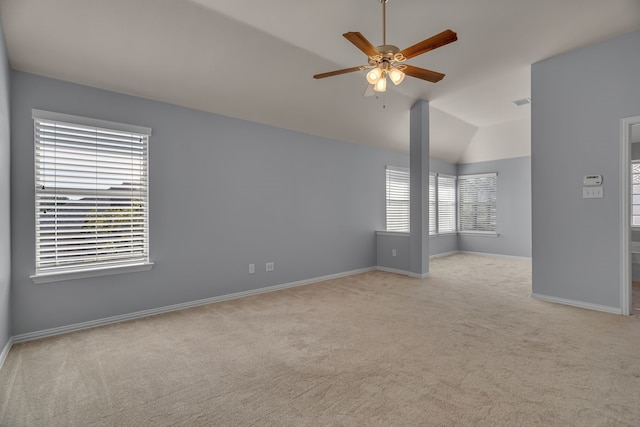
pixel 442 204
pixel 477 203
pixel 432 205
pixel 91 195
pixel 397 206
pixel 635 193
pixel 446 203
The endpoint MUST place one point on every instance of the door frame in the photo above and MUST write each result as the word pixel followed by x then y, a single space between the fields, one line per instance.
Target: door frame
pixel 625 213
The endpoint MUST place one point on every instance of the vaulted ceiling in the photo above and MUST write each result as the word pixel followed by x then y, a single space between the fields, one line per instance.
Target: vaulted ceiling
pixel 254 59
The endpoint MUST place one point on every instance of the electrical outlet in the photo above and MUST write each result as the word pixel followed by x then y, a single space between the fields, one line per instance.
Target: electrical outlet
pixel 252 268
pixel 393 252
pixel 270 266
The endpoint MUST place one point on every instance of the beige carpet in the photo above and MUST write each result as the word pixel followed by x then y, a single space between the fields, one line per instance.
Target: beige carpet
pixel 466 346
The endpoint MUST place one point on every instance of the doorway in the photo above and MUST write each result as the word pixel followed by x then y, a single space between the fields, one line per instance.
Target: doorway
pixel 630 215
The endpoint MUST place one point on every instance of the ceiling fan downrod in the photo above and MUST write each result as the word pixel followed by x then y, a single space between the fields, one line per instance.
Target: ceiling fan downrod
pixel 384 21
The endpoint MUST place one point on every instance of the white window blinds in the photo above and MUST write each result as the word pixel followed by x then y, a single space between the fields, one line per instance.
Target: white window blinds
pixel 397 199
pixel 446 204
pixel 432 205
pixel 477 196
pixel 635 193
pixel 91 195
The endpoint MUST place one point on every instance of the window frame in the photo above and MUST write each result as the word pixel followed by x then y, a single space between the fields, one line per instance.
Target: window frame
pixel 433 204
pixel 454 230
pixel 54 271
pixel 494 204
pixel 633 193
pixel 398 172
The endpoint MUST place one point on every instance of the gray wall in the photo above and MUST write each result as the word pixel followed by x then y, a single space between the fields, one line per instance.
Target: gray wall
pixel 5 223
pixel 448 242
pixel 386 242
pixel 513 208
pixel 578 101
pixel 223 193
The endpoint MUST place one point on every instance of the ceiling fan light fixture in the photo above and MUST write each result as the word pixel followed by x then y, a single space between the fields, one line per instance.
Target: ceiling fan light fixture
pixel 374 75
pixel 396 76
pixel 381 84
pixel 388 59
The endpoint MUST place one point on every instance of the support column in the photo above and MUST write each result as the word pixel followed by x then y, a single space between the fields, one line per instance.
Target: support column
pixel 419 208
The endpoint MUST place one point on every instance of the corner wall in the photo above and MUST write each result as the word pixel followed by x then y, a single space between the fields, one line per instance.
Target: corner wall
pixel 5 190
pixel 501 141
pixel 579 99
pixel 513 208
pixel 224 193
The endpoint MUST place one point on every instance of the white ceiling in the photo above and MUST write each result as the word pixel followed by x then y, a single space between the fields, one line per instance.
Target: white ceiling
pixel 254 59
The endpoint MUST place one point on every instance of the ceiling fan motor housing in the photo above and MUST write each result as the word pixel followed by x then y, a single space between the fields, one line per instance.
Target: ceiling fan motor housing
pixel 388 53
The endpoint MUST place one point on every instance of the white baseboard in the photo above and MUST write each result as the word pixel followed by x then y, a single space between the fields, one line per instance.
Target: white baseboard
pixel 403 272
pixel 443 254
pixel 175 307
pixel 496 255
pixel 574 303
pixel 418 276
pixel 5 351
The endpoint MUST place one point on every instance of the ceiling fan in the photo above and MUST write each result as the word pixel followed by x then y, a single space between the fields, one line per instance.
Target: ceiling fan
pixel 387 60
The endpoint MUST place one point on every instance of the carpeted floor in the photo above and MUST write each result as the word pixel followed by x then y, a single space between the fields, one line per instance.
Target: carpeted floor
pixel 466 346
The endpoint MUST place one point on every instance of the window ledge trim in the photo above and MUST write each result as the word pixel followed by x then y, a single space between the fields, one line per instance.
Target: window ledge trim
pixel 479 233
pixel 59 276
pixel 392 233
pixel 86 121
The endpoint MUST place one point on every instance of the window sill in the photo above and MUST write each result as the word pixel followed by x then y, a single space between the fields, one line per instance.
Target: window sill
pixel 478 233
pixel 392 233
pixel 59 276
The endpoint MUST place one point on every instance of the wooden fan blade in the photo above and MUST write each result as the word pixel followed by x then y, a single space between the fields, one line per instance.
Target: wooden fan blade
pixel 361 43
pixel 421 73
pixel 337 72
pixel 431 43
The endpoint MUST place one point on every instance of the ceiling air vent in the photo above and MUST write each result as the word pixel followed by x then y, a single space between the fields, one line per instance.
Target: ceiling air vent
pixel 523 101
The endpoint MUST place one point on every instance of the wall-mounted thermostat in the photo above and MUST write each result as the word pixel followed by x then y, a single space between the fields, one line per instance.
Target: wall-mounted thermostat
pixel 592 180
